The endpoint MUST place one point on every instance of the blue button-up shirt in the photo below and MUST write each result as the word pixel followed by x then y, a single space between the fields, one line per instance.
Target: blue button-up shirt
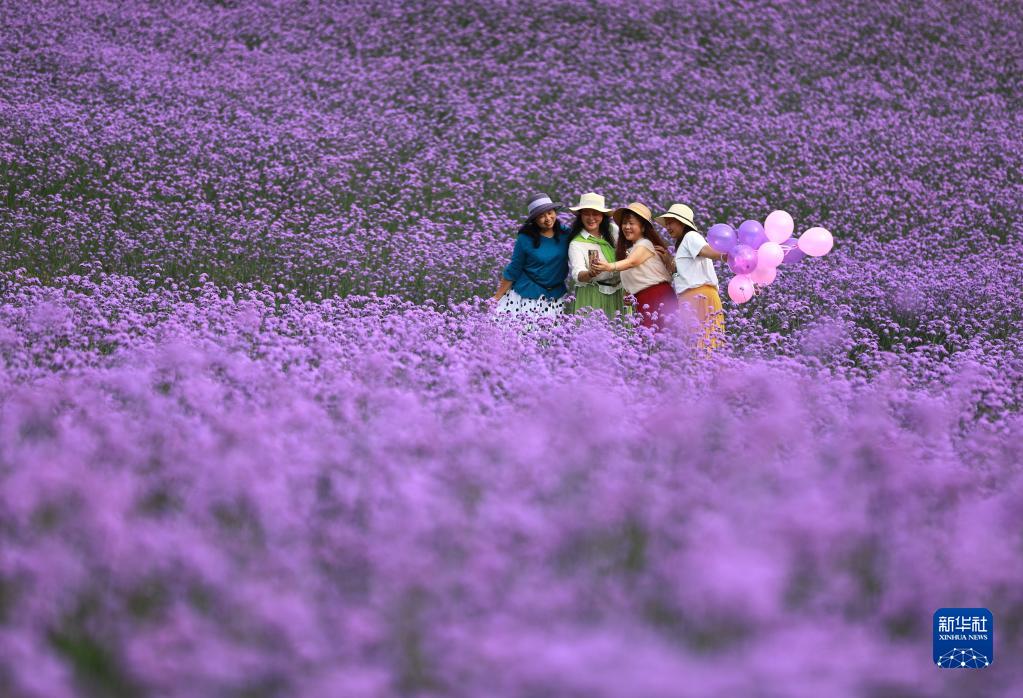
pixel 540 271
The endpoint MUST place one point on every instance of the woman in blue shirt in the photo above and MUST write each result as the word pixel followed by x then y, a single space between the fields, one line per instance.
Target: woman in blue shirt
pixel 534 280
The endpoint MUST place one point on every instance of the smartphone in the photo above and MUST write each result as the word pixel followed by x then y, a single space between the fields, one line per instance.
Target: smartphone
pixel 594 257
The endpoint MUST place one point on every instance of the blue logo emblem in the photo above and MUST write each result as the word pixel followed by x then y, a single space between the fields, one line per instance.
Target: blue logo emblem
pixel 964 638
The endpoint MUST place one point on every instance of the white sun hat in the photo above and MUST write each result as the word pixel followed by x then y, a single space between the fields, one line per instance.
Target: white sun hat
pixel 590 200
pixel 679 212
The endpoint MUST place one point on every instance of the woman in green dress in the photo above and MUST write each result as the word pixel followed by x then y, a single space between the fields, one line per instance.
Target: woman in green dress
pixel 594 233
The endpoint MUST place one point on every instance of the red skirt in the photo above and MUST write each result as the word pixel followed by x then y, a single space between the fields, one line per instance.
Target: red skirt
pixel 655 303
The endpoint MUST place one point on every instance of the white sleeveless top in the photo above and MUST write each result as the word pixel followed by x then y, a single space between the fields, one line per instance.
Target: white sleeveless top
pixel 649 273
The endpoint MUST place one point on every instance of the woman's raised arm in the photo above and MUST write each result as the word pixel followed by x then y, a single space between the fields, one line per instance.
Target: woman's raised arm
pixel 637 256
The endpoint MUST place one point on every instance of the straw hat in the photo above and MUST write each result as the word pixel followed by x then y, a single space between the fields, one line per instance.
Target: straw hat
pixel 637 208
pixel 679 212
pixel 540 203
pixel 590 200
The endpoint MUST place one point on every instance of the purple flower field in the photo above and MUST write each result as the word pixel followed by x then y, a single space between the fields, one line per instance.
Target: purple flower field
pixel 260 434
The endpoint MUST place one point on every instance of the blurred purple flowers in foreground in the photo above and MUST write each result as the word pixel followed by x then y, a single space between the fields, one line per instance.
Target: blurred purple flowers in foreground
pixel 205 495
pixel 258 437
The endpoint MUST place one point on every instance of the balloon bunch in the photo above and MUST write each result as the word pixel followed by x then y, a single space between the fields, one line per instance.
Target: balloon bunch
pixel 756 251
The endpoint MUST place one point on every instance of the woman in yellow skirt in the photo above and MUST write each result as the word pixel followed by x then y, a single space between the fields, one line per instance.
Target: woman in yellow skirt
pixel 693 275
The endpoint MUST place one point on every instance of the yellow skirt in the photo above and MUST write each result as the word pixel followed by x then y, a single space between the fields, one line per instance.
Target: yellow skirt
pixel 702 306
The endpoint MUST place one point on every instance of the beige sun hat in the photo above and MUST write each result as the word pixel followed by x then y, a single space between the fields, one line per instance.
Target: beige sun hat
pixel 637 208
pixel 590 200
pixel 679 212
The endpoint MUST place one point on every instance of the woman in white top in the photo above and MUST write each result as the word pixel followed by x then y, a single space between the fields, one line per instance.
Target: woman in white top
pixel 594 235
pixel 694 278
pixel 643 272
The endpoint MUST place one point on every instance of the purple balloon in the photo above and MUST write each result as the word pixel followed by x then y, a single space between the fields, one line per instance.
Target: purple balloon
pixel 751 233
pixel 743 259
pixel 793 255
pixel 721 237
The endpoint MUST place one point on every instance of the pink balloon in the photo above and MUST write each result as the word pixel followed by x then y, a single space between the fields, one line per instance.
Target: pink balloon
pixel 764 275
pixel 740 288
pixel 816 242
pixel 770 255
pixel 778 226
